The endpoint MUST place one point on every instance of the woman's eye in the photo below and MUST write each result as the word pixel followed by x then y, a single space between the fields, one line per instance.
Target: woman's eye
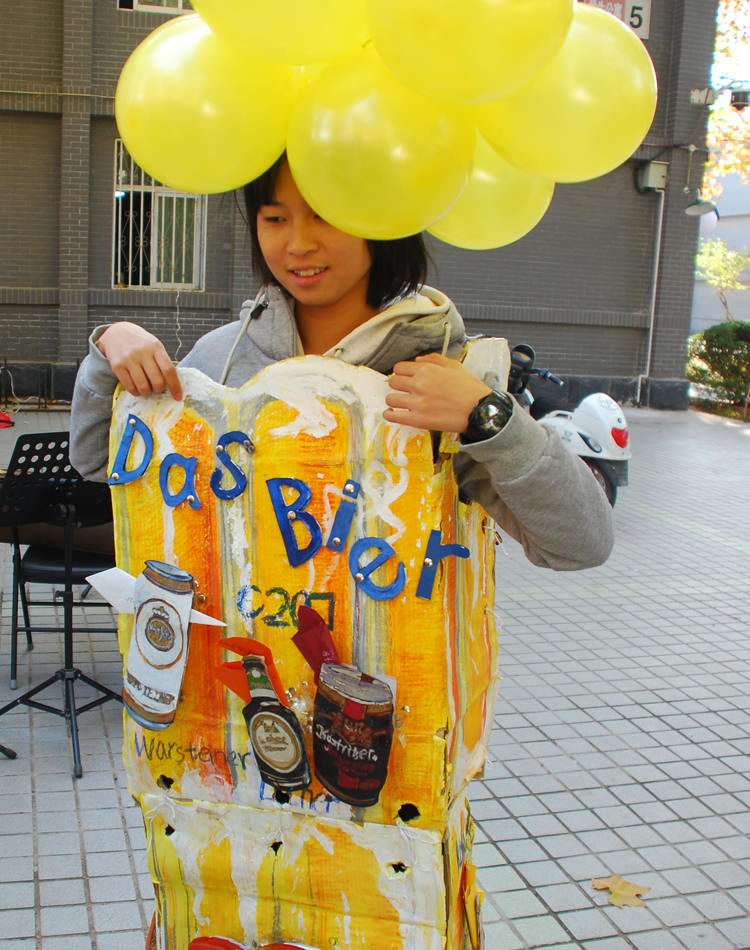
pixel 270 213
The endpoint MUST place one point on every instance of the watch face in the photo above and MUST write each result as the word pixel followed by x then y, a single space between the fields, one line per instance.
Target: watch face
pixel 488 417
pixel 494 412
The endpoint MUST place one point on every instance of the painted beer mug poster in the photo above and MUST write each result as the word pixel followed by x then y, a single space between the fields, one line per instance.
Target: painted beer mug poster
pixel 349 692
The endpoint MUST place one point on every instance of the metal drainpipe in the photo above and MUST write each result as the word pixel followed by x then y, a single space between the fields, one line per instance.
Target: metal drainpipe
pixel 654 287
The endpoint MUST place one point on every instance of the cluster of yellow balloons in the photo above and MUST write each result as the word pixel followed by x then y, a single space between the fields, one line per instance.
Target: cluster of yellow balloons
pixel 397 116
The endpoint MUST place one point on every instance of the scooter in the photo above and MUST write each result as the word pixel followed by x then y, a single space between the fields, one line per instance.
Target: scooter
pixel 596 430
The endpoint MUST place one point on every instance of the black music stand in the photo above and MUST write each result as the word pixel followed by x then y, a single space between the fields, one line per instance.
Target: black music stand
pixel 42 486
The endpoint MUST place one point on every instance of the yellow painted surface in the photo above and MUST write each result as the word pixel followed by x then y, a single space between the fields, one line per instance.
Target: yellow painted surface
pixel 311 879
pixel 318 421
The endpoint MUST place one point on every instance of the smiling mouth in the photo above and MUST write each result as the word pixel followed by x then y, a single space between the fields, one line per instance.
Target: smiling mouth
pixel 307 271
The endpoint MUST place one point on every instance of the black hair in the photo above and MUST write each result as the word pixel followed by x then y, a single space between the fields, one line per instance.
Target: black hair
pixel 398 266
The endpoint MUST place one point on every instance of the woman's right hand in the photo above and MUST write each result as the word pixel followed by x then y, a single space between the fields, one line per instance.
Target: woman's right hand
pixel 138 359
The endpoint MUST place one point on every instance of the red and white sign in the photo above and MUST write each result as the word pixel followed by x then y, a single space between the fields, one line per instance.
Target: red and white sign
pixel 636 15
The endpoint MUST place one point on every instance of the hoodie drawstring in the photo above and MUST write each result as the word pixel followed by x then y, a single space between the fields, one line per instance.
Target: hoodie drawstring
pixel 259 305
pixel 446 337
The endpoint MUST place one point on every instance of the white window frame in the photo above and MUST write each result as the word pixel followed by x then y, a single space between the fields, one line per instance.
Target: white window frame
pixel 168 7
pixel 145 259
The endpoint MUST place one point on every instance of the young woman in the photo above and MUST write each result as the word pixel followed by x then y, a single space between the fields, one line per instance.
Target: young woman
pixel 329 293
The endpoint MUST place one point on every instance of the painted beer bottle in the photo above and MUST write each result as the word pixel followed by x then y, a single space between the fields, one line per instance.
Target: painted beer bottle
pixel 274 730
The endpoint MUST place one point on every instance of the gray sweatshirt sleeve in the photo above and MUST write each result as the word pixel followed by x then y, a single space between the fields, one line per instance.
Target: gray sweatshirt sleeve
pixel 540 493
pixel 91 409
pixel 91 413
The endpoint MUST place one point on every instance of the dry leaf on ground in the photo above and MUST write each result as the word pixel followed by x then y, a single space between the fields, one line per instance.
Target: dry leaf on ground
pixel 622 893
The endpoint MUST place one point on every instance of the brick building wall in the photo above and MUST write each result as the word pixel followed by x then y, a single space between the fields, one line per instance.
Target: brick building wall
pixel 578 288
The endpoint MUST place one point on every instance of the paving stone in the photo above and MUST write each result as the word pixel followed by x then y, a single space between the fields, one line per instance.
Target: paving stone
pixel 608 943
pixel 123 940
pixel 63 891
pixel 542 825
pixel 581 820
pixel 518 903
pixel 542 872
pixel 699 853
pixel 656 940
pixel 55 866
pixel 72 919
pixel 537 931
pixel 498 935
pixel 717 906
pixel 736 930
pixel 742 896
pixel 15 895
pixel 486 854
pixel 587 924
pixel 674 911
pixel 561 897
pixel 738 847
pixel 703 935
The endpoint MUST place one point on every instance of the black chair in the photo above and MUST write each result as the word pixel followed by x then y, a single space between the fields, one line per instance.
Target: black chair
pixel 41 486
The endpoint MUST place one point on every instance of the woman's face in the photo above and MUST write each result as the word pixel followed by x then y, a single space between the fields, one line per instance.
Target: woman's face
pixel 316 263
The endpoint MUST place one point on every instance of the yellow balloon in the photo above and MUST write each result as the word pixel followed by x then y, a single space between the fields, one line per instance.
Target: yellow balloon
pixel 467 51
pixel 498 205
pixel 583 113
pixel 198 115
pixel 375 158
pixel 289 31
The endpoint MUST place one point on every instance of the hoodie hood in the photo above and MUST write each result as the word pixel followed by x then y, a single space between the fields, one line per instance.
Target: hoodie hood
pixel 425 322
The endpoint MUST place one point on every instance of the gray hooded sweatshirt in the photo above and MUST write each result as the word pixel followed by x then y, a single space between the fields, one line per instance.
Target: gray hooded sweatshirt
pixel 535 489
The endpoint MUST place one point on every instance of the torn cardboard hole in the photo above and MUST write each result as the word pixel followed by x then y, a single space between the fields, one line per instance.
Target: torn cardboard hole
pixel 408 812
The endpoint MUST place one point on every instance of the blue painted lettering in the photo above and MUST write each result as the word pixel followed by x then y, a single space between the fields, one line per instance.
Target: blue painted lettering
pixel 433 556
pixel 289 513
pixel 187 492
pixel 240 479
pixel 120 475
pixel 342 523
pixel 361 573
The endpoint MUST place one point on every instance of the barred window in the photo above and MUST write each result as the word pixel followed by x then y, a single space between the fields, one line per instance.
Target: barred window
pixel 156 6
pixel 159 233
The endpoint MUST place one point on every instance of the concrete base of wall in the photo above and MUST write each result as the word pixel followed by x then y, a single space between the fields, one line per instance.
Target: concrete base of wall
pixel 655 393
pixel 46 382
pixel 53 382
pixel 665 393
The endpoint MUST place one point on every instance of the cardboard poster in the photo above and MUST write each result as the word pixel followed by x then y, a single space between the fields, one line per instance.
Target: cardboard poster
pixel 310 794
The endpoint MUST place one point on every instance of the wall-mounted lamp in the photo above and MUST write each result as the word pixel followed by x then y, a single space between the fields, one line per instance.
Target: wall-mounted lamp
pixel 698 207
pixel 739 98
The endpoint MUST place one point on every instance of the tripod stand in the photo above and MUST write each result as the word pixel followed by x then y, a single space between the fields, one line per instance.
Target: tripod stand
pixel 42 486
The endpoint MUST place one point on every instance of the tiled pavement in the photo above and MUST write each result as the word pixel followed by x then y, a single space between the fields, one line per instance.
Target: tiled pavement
pixel 621 741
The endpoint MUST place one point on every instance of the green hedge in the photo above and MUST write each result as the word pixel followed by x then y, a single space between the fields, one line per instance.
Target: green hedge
pixel 719 357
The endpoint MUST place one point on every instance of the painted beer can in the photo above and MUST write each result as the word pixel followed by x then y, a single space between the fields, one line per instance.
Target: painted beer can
pixel 159 644
pixel 352 733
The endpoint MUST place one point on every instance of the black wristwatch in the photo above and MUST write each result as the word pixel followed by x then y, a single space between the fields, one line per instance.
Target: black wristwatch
pixel 488 417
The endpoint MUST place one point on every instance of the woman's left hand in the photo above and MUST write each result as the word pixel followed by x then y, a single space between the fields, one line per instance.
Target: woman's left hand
pixel 433 392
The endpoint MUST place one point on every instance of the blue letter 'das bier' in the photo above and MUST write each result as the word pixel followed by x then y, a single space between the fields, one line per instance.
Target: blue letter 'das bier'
pixel 290 498
pixel 293 511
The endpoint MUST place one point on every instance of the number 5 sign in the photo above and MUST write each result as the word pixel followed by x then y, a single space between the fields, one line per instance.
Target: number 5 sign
pixel 636 15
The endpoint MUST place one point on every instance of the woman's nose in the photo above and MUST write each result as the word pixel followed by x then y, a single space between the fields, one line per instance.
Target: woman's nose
pixel 302 238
